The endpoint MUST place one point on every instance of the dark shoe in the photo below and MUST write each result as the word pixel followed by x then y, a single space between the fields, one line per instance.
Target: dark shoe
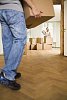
pixel 8 83
pixel 18 75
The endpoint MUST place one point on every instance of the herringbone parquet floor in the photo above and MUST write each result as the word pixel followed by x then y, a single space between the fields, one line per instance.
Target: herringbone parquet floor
pixel 44 77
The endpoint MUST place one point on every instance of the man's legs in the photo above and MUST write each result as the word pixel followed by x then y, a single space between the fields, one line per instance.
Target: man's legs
pixel 7 44
pixel 16 23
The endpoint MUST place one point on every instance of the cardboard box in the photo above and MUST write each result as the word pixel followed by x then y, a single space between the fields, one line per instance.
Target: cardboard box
pixel 33 47
pixel 46 6
pixel 40 40
pixel 30 40
pixel 44 39
pixel 49 47
pixel 33 40
pixel 39 46
pixel 48 40
pixel 46 46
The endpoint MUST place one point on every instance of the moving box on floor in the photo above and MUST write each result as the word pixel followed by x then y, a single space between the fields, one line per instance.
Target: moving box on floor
pixel 44 39
pixel 39 46
pixel 33 47
pixel 46 46
pixel 32 40
pixel 40 40
pixel 48 40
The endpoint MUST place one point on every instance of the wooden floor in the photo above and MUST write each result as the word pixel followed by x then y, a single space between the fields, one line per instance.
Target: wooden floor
pixel 44 77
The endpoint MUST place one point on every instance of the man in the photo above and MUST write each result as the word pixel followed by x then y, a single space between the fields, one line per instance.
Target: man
pixel 14 38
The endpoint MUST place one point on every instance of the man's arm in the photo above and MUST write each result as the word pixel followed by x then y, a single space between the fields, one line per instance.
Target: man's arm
pixel 35 10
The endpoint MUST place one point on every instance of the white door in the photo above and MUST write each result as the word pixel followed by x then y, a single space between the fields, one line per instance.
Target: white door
pixel 65 28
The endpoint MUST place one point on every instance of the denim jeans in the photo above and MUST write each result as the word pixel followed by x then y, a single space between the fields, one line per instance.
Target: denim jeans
pixel 14 40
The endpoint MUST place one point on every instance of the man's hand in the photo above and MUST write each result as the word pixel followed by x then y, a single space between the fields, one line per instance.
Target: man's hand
pixel 36 12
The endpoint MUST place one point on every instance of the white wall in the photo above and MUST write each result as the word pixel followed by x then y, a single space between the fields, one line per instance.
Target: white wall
pixel 56 33
pixel 56 25
pixel 36 32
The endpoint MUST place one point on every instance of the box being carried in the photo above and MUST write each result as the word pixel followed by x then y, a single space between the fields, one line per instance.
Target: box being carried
pixel 46 6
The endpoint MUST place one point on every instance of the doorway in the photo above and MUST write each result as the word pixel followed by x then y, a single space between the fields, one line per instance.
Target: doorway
pixel 54 28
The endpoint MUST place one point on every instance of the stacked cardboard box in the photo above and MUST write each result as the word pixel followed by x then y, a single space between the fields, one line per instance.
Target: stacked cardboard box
pixel 49 47
pixel 39 46
pixel 33 47
pixel 46 46
pixel 32 40
pixel 40 40
pixel 40 43
pixel 33 43
pixel 49 40
pixel 44 39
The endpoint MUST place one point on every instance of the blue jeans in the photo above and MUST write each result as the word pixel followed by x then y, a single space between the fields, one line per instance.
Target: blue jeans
pixel 14 40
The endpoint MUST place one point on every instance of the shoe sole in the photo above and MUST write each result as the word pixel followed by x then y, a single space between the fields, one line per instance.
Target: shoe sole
pixel 8 86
